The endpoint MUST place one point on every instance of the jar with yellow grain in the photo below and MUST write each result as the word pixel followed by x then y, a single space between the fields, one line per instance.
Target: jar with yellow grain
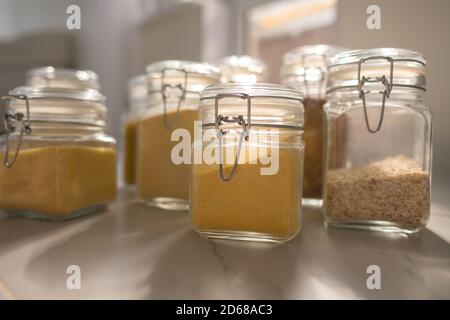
pixel 137 101
pixel 57 160
pixel 247 173
pixel 173 97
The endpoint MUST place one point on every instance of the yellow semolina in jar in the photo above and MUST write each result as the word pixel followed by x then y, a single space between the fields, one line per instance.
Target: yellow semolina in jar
pixel 58 162
pixel 265 205
pixel 173 88
pixel 248 184
pixel 58 181
pixel 158 176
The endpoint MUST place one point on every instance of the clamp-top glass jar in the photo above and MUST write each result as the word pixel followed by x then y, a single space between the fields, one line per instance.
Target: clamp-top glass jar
pixel 304 68
pixel 378 141
pixel 137 102
pixel 246 181
pixel 242 69
pixel 173 98
pixel 51 77
pixel 58 162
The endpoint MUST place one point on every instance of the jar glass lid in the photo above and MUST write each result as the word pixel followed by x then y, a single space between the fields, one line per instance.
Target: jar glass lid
pixel 137 87
pixel 260 90
pixel 259 104
pixel 308 61
pixel 58 105
pixel 187 75
pixel 89 95
pixel 380 68
pixel 242 69
pixel 62 78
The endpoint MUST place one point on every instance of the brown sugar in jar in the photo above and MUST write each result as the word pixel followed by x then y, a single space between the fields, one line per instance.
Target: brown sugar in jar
pixel 304 68
pixel 313 137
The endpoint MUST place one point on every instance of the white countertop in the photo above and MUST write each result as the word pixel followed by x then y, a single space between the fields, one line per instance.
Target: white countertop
pixel 132 251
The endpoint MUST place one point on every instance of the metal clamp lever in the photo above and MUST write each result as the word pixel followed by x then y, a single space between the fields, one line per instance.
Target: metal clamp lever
pixel 10 121
pixel 386 92
pixel 219 120
pixel 164 86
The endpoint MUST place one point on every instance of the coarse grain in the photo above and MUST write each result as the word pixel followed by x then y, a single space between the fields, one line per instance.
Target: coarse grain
pixel 394 190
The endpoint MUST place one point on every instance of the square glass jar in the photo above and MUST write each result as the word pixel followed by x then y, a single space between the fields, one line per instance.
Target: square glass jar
pixel 58 162
pixel 378 145
pixel 304 68
pixel 246 181
pixel 173 97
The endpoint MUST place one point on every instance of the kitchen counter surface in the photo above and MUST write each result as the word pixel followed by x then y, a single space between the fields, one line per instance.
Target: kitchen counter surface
pixel 133 252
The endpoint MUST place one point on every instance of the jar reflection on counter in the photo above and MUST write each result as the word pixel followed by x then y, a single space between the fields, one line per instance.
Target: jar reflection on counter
pixel 305 69
pixel 173 88
pixel 379 141
pixel 58 162
pixel 252 189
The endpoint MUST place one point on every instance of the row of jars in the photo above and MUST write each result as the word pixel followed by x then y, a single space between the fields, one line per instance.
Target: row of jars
pixel 357 142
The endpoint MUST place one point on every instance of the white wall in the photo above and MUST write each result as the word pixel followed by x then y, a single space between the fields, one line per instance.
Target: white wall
pixel 23 16
pixel 107 45
pixel 418 25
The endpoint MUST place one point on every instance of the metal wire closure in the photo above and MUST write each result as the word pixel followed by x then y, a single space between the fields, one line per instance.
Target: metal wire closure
pixel 386 92
pixel 10 121
pixel 180 86
pixel 219 120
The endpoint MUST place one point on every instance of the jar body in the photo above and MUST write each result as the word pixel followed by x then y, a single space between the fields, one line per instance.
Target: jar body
pixel 252 205
pixel 313 137
pixel 304 68
pixel 314 151
pixel 378 180
pixel 59 175
pixel 129 146
pixel 161 182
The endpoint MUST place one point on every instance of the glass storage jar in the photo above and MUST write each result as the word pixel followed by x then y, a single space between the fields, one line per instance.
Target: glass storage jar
pixel 378 141
pixel 246 180
pixel 242 69
pixel 57 161
pixel 62 78
pixel 304 68
pixel 137 102
pixel 173 98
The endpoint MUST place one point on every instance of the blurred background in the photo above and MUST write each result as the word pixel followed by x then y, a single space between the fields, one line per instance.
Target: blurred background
pixel 118 38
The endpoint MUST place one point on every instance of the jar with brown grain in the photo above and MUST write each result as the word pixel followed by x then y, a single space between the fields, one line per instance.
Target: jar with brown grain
pixel 305 69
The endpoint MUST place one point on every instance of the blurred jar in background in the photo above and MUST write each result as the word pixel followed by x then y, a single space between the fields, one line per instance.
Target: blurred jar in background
pixel 52 77
pixel 137 102
pixel 304 68
pixel 57 160
pixel 242 69
pixel 173 98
